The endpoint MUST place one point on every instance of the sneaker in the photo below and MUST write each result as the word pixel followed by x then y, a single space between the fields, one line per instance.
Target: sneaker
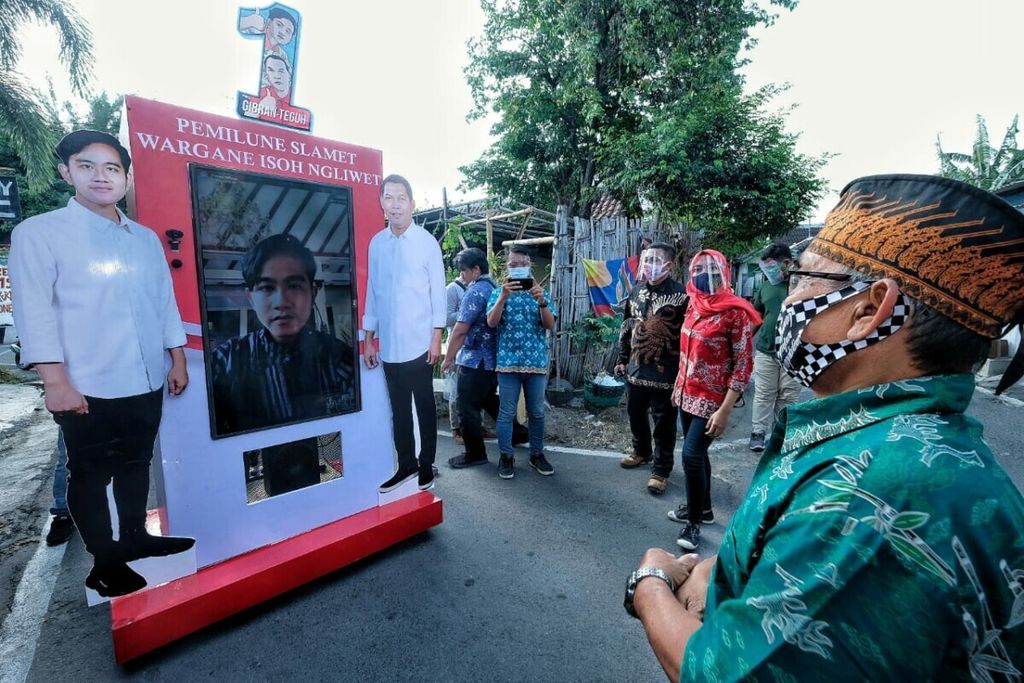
pixel 426 479
pixel 462 460
pixel 111 580
pixel 757 442
pixel 506 467
pixel 689 537
pixel 397 479
pixel 61 529
pixel 138 546
pixel 541 464
pixel 681 512
pixel 657 484
pixel 633 460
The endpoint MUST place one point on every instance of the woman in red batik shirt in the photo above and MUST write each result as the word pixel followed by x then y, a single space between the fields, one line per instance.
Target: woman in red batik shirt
pixel 716 354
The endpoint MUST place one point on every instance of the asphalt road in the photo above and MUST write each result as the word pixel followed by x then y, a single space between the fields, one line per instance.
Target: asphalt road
pixel 523 581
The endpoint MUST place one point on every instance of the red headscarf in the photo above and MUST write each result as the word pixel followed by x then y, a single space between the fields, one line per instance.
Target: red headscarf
pixel 723 299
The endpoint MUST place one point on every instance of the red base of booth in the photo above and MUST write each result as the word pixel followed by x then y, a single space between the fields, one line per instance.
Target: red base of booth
pixel 144 621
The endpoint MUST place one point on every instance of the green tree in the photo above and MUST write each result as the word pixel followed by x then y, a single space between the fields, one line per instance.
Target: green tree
pixel 24 125
pixel 641 98
pixel 987 167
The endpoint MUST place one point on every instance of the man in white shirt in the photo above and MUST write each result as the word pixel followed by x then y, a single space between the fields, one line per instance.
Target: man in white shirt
pixel 95 311
pixel 406 311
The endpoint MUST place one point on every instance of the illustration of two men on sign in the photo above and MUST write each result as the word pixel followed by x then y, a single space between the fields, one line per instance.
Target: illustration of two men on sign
pixel 279 27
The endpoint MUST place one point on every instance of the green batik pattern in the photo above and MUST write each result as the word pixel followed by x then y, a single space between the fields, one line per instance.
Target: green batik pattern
pixel 879 540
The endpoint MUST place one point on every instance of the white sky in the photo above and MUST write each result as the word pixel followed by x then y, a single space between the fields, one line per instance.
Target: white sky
pixel 875 80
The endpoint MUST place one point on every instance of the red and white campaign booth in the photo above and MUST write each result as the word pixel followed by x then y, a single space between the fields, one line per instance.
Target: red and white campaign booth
pixel 272 503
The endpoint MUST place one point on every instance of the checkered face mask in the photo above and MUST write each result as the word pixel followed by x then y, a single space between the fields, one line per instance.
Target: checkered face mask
pixel 804 360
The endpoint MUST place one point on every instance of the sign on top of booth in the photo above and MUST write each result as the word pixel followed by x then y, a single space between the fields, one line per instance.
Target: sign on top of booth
pixel 279 27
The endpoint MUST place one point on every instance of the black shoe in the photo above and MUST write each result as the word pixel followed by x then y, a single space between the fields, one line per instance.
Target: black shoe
pixel 426 479
pixel 541 464
pixel 397 479
pixel 463 460
pixel 138 546
pixel 115 579
pixel 506 467
pixel 689 537
pixel 62 527
pixel 680 515
pixel 756 442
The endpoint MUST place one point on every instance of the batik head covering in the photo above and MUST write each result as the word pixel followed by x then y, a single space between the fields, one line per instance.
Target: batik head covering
pixel 952 246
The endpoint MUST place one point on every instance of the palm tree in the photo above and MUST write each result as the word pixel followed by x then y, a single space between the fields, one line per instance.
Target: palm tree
pixel 24 123
pixel 986 167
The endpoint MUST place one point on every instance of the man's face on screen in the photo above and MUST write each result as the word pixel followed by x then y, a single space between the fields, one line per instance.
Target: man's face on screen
pixel 283 298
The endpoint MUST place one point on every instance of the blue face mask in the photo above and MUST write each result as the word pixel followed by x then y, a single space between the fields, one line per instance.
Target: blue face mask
pixel 704 283
pixel 521 273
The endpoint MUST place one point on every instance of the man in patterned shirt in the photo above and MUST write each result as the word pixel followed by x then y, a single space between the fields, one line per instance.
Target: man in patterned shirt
pixel 880 540
pixel 522 317
pixel 649 358
pixel 473 347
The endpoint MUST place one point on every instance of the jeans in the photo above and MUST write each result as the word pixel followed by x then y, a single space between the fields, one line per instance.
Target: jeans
pixel 112 442
pixel 533 386
pixel 644 404
pixel 774 389
pixel 60 478
pixel 696 465
pixel 408 382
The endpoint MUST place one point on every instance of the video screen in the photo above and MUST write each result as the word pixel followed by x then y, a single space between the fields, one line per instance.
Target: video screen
pixel 278 299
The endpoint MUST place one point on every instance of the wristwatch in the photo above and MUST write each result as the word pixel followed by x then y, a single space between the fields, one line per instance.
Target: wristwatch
pixel 543 304
pixel 635 578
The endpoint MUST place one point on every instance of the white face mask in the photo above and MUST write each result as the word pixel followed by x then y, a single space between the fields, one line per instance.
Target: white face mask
pixel 804 360
pixel 653 270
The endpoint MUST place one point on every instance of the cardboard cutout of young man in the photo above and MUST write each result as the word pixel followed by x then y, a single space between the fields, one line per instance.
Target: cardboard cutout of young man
pixel 881 540
pixel 96 313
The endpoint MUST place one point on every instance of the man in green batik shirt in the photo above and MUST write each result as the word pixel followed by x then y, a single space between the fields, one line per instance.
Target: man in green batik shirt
pixel 879 540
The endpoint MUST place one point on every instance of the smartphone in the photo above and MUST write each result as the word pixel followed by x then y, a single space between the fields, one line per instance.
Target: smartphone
pixel 525 282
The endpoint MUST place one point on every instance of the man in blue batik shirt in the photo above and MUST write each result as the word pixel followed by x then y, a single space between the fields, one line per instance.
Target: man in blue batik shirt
pixel 522 318
pixel 473 347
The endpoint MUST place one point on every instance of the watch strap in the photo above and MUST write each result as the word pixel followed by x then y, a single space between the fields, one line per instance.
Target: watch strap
pixel 638 576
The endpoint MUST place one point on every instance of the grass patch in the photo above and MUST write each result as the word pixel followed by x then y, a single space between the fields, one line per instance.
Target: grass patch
pixel 8 377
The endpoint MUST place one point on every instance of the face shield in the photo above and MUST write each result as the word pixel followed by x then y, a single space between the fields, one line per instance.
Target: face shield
pixel 706 274
pixel 653 265
pixel 772 270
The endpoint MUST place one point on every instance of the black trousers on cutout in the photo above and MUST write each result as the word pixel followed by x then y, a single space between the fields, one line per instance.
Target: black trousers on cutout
pixel 412 382
pixel 113 442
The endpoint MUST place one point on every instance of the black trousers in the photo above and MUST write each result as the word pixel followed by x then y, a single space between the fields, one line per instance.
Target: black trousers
pixel 113 442
pixel 478 390
pixel 641 401
pixel 412 382
pixel 696 465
